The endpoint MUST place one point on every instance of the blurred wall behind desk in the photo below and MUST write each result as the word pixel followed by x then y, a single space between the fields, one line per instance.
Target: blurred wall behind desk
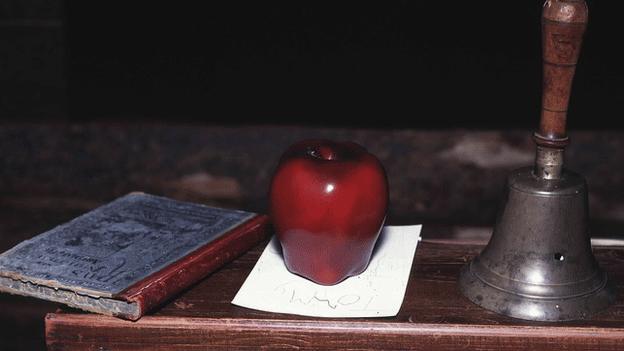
pixel 388 64
pixel 33 58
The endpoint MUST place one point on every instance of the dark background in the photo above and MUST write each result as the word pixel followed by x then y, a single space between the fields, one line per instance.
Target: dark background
pixel 391 64
pixel 98 99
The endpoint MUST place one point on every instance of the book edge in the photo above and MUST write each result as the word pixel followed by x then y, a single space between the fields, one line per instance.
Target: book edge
pixel 156 288
pixel 102 305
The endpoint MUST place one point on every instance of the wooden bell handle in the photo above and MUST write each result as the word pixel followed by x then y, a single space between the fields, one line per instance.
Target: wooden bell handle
pixel 563 26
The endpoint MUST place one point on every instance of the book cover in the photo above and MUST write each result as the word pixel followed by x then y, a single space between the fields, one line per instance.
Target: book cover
pixel 129 256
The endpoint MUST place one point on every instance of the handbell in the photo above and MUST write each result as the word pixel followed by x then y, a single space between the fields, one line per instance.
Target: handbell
pixel 538 264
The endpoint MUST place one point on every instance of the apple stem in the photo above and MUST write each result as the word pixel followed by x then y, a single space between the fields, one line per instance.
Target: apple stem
pixel 323 152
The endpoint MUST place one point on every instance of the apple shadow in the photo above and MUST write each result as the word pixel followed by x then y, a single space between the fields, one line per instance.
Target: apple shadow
pixel 383 238
pixel 276 247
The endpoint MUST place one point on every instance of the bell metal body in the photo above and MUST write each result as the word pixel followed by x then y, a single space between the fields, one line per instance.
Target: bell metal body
pixel 538 264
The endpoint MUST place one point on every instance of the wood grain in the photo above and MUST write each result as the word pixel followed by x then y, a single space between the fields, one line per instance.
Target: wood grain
pixel 253 334
pixel 434 316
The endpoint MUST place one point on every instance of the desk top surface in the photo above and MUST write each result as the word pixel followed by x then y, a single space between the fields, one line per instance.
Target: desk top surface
pixel 433 306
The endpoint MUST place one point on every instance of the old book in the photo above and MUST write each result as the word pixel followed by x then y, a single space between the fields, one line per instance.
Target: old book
pixel 129 256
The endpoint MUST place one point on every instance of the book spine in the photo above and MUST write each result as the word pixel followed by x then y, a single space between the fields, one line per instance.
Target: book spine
pixel 152 291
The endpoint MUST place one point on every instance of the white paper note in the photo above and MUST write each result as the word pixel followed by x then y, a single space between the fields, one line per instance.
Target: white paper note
pixel 377 292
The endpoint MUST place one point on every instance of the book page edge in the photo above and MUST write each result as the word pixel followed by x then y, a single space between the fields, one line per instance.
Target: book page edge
pixel 101 305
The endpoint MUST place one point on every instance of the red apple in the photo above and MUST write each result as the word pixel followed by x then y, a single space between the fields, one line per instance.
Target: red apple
pixel 328 203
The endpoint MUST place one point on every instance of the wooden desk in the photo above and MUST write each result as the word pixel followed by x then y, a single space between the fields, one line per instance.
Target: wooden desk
pixel 434 316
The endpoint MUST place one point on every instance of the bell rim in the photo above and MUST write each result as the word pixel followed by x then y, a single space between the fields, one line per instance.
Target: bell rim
pixel 552 309
pixel 567 290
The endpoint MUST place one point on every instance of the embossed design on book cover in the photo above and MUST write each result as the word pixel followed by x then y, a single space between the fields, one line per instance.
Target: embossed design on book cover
pixel 112 247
